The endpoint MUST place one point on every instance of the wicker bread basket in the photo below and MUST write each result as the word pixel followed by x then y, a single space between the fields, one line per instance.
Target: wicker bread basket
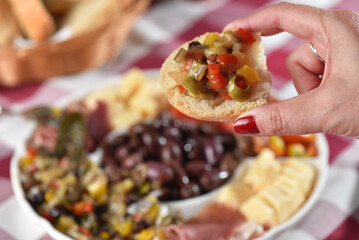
pixel 89 50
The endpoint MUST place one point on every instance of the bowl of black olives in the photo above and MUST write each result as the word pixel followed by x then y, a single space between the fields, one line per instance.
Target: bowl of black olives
pixel 180 161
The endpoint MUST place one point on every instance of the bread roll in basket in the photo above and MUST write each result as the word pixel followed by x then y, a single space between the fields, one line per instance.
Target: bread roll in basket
pixel 81 52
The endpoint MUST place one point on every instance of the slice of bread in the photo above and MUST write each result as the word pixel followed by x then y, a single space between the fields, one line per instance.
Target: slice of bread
pixel 8 28
pixel 218 109
pixel 33 18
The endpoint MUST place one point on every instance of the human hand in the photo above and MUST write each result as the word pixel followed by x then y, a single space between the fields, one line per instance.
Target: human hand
pixel 328 104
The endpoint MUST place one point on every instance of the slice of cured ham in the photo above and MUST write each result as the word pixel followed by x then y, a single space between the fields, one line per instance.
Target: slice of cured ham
pixel 217 221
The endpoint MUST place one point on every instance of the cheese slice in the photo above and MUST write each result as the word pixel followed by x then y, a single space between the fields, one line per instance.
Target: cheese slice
pixel 283 204
pixel 303 173
pixel 257 210
pixel 263 171
pixel 235 194
pixel 297 197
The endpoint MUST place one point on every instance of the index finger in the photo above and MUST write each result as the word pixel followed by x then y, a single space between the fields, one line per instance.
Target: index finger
pixel 302 21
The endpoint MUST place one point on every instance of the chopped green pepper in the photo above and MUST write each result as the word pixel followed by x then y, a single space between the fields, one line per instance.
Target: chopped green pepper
pixel 198 70
pixel 180 55
pixel 238 93
pixel 193 88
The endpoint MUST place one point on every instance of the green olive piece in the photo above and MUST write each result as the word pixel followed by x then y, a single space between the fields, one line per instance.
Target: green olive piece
pixel 190 84
pixel 236 92
pixel 198 70
pixel 179 58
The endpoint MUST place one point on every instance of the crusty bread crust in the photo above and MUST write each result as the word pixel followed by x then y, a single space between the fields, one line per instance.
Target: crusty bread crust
pixel 218 109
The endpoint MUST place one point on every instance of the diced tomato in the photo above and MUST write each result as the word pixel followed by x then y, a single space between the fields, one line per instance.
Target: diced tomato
pixel 181 89
pixel 31 152
pixel 242 84
pixel 85 231
pixel 307 138
pixel 213 69
pixel 227 58
pixel 247 36
pixel 217 81
pixel 224 93
pixel 188 65
pixel 81 208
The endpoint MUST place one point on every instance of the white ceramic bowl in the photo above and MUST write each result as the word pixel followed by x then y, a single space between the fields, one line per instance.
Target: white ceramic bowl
pixel 189 206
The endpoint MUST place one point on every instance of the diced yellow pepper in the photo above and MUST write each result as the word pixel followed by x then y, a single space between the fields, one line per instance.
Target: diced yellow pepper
pixel 56 112
pixel 152 213
pixel 211 38
pixel 105 235
pixel 26 161
pixel 96 189
pixel 123 228
pixel 49 195
pixel 249 74
pixel 147 234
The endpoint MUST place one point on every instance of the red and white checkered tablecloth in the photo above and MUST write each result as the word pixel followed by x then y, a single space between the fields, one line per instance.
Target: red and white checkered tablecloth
pixel 165 26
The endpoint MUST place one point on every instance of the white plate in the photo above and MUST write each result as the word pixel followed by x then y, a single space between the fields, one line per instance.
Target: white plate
pixel 188 206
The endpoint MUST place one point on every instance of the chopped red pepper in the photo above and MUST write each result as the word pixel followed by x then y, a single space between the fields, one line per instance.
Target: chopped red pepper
pixel 217 81
pixel 223 92
pixel 227 58
pixel 213 68
pixel 31 152
pixel 85 231
pixel 188 65
pixel 181 89
pixel 81 208
pixel 247 36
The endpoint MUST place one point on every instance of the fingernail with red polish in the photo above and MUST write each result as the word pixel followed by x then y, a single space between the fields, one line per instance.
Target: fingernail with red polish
pixel 246 126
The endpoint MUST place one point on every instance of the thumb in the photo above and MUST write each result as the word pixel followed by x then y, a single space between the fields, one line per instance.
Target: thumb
pixel 298 115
